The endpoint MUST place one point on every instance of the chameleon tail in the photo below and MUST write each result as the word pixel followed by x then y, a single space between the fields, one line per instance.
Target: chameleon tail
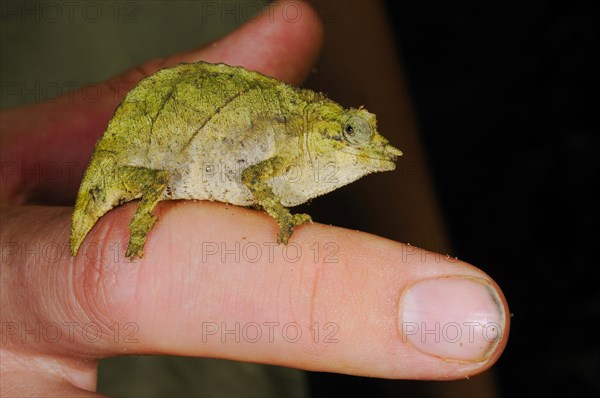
pixel 97 195
pixel 106 185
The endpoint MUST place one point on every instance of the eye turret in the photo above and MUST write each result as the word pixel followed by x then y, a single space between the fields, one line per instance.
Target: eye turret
pixel 357 130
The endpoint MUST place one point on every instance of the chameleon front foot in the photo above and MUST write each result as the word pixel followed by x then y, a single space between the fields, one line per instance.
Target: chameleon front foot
pixel 141 224
pixel 286 226
pixel 153 183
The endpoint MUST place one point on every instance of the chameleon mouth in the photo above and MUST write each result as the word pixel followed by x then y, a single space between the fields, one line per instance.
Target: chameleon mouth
pixel 387 165
pixel 386 159
pixel 391 154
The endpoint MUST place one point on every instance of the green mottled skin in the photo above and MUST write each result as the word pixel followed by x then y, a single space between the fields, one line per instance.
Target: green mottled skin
pixel 215 132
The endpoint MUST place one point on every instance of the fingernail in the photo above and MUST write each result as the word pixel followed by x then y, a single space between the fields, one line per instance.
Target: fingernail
pixel 452 318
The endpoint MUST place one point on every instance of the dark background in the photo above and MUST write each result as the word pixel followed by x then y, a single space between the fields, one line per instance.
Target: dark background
pixel 506 104
pixel 507 108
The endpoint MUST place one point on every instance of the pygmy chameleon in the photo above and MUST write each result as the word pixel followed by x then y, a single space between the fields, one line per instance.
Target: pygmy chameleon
pixel 217 132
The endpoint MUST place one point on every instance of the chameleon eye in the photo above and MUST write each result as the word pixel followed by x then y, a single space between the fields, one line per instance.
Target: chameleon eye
pixel 357 130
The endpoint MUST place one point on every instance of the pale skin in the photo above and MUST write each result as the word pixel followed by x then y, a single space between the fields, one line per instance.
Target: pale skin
pixel 171 293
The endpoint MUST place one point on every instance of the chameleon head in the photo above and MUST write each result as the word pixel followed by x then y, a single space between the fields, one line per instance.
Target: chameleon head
pixel 348 139
pixel 361 141
pixel 341 146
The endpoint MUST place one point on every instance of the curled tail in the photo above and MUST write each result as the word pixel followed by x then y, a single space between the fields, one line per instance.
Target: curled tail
pixel 99 192
pixel 107 184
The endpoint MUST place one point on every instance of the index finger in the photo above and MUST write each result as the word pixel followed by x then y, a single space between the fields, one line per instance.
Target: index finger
pixel 213 283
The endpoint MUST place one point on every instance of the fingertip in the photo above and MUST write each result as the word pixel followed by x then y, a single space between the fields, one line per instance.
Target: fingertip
pixel 453 319
pixel 283 41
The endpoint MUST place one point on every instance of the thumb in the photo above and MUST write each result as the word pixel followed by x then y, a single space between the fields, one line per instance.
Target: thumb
pixel 55 139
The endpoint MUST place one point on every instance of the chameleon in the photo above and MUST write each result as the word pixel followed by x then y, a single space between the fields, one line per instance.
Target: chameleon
pixel 202 131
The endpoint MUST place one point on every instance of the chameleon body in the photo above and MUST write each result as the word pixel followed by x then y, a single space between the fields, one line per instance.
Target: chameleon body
pixel 216 132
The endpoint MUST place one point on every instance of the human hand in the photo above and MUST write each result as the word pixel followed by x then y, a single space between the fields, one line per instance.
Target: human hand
pixel 333 300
